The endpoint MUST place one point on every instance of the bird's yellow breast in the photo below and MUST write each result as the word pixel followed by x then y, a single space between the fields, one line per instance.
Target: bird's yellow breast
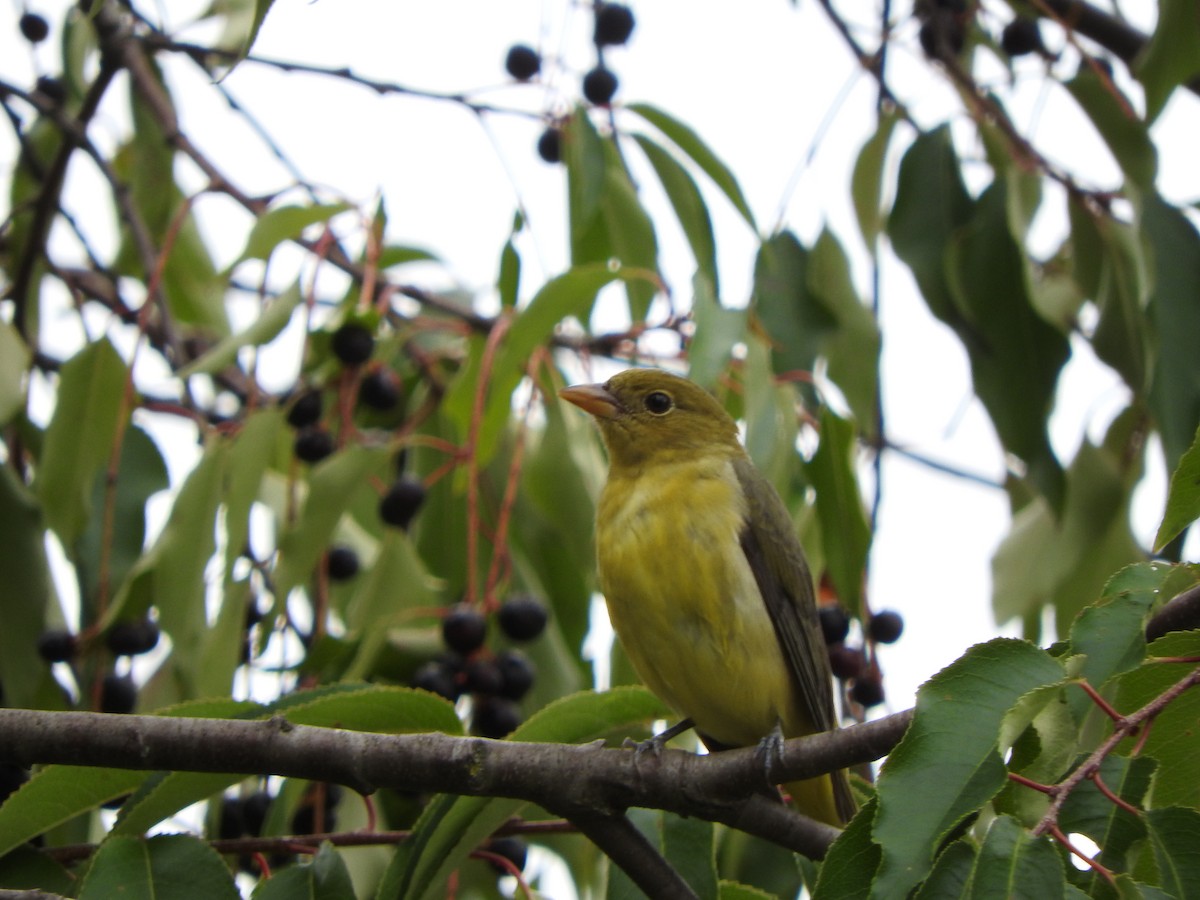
pixel 685 603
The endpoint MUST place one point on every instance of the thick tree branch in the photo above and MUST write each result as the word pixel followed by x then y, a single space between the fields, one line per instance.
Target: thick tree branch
pixel 570 780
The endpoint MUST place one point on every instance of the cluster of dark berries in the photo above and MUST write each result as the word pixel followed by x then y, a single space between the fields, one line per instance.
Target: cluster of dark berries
pixel 496 681
pixel 379 389
pixel 399 506
pixel 612 26
pixel 128 637
pixel 851 663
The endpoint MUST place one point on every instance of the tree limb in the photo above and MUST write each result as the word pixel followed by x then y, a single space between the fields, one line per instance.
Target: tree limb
pixel 568 779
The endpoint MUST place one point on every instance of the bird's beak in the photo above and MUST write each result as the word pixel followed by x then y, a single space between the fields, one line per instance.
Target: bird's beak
pixel 592 398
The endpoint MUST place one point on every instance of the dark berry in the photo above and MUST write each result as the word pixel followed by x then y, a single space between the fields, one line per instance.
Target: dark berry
pixel 437 678
pixel 353 343
pixel 380 390
pixel 614 24
pixel 483 677
pixel 885 627
pixel 53 89
pixel 599 86
pixel 1021 36
pixel 549 145
pixel 230 823
pixel 57 646
pixel 495 717
pixel 400 504
pixel 118 694
pixel 942 36
pixel 254 812
pixel 516 672
pixel 522 62
pixel 132 637
pixel 846 662
pixel 835 624
pixel 522 618
pixel 35 28
pixel 306 410
pixel 867 690
pixel 12 777
pixel 463 629
pixel 511 848
pixel 313 444
pixel 342 563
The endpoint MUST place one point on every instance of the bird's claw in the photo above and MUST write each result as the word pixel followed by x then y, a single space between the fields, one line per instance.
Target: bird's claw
pixel 770 749
pixel 656 744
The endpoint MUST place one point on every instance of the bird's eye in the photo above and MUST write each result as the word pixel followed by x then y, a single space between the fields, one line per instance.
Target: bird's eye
pixel 659 403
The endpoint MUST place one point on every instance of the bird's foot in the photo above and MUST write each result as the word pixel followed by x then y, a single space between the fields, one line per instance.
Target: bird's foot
pixel 655 744
pixel 770 750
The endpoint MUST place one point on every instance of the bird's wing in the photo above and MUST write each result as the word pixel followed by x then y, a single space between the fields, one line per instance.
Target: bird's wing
pixel 777 560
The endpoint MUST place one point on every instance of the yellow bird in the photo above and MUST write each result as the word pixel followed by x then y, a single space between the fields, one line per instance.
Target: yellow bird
pixel 706 583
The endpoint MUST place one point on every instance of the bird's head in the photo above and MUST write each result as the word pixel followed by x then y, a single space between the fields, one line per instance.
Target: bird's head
pixel 648 415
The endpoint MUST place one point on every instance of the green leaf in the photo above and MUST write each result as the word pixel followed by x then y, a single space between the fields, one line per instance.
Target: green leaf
pixel 951 873
pixel 1175 392
pixel 795 320
pixel 931 204
pixel 1015 354
pixel 164 867
pixel 58 794
pixel 193 288
pixel 571 294
pixel 866 182
pixel 849 866
pixel 27 869
pixel 1065 560
pixel 1114 829
pixel 948 763
pixel 285 223
pixel 852 348
pixel 1173 741
pixel 451 827
pixel 1174 835
pixel 718 330
pixel 1109 264
pixel 508 283
pixel 607 221
pixel 79 440
pixel 1012 863
pixel 691 144
pixel 379 603
pixel 1125 134
pixel 325 878
pixel 1183 499
pixel 1111 633
pixel 171 575
pixel 688 847
pixel 845 534
pixel 142 472
pixel 689 206
pixel 264 329
pixel 14 361
pixel 331 487
pixel 1172 57
pixel 731 890
pixel 28 590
